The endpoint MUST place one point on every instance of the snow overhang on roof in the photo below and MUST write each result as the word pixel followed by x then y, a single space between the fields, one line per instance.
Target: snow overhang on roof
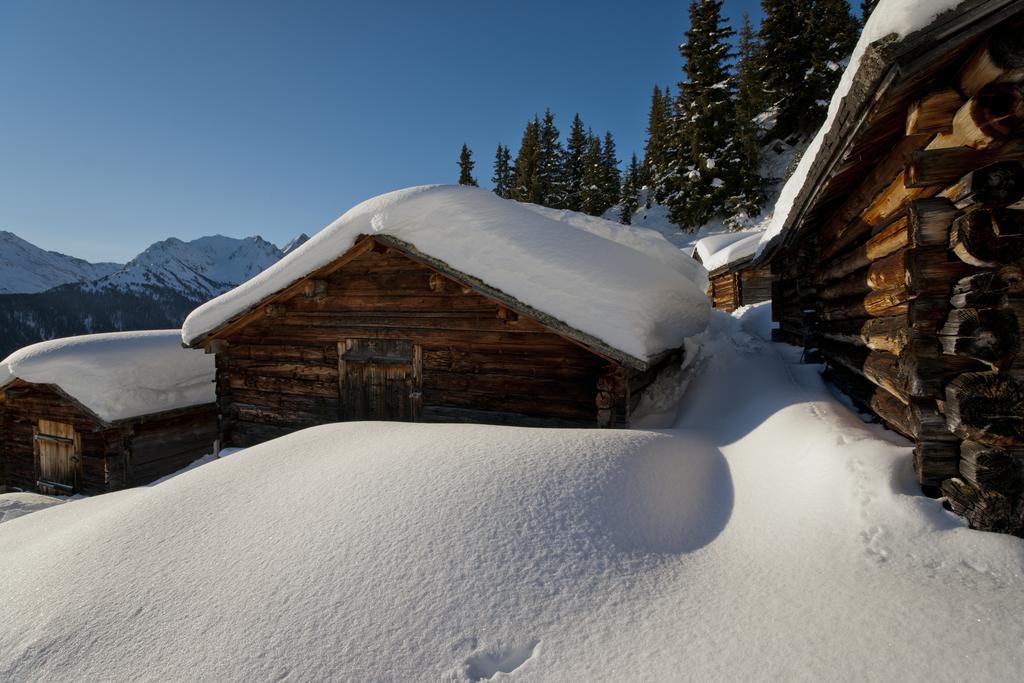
pixel 118 375
pixel 627 291
pixel 727 249
pixel 903 43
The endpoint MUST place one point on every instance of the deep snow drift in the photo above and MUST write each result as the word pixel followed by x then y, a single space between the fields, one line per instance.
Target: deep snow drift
pixel 632 290
pixel 118 375
pixel 769 535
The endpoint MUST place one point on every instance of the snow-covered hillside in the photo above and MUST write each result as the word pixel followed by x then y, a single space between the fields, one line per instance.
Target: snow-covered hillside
pixel 778 159
pixel 201 268
pixel 767 534
pixel 24 267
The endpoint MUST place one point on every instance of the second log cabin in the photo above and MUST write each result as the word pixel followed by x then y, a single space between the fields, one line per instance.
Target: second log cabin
pixel 450 304
pixel 898 250
pixel 734 280
pixel 101 412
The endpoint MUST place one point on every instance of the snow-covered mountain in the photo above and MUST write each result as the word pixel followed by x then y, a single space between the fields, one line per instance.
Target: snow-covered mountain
pixel 24 267
pixel 201 269
pixel 294 244
pixel 45 295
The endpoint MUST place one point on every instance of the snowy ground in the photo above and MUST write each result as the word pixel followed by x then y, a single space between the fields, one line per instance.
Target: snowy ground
pixel 17 504
pixel 768 534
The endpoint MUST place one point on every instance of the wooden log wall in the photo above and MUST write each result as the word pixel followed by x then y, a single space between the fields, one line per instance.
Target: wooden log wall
pixel 755 284
pixel 724 290
pixel 166 443
pixel 743 285
pixel 913 290
pixel 480 362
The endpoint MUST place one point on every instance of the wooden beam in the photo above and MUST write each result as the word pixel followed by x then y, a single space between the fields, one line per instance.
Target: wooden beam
pixel 987 120
pixel 930 167
pixel 1000 58
pixel 987 408
pixel 929 221
pixel 988 238
pixel 934 112
pixel 988 335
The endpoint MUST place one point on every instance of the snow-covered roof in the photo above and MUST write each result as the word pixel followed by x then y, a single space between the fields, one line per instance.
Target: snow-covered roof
pixel 630 290
pixel 726 248
pixel 893 20
pixel 118 375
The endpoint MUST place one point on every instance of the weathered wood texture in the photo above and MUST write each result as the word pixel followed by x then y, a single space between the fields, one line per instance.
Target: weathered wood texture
pixel 419 347
pixel 106 457
pixel 742 285
pixel 904 270
pixel 162 444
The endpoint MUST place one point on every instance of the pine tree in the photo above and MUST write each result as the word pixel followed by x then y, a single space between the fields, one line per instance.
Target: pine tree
pixel 502 177
pixel 787 48
pixel 747 189
pixel 612 177
pixel 575 149
pixel 630 197
pixel 656 149
pixel 466 165
pixel 550 189
pixel 706 119
pixel 524 174
pixel 592 196
pixel 833 33
pixel 866 8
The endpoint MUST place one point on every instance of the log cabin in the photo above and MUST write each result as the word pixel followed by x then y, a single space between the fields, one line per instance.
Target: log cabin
pixel 733 278
pixel 450 304
pixel 97 413
pixel 898 251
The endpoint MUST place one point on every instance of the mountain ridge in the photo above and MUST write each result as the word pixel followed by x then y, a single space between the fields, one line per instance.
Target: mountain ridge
pixel 63 296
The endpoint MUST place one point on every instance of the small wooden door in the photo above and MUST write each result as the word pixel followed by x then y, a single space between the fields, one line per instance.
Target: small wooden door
pixel 380 379
pixel 58 451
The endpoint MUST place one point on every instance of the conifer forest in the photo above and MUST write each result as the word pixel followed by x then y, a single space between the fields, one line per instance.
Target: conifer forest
pixel 742 89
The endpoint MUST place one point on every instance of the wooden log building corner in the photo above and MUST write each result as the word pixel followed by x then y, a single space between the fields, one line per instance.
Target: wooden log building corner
pixel 901 262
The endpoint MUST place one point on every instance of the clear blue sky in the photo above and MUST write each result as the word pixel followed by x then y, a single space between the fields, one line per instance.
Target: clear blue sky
pixel 127 121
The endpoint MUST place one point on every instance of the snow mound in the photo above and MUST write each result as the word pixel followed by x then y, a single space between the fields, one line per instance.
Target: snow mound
pixel 768 535
pixel 358 551
pixel 626 296
pixel 898 18
pixel 118 375
pixel 726 248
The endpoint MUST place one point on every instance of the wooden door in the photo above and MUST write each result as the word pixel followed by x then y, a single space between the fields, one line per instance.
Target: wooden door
pixel 58 451
pixel 380 379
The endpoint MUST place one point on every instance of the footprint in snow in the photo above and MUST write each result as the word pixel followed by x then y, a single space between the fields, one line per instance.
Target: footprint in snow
pixel 486 664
